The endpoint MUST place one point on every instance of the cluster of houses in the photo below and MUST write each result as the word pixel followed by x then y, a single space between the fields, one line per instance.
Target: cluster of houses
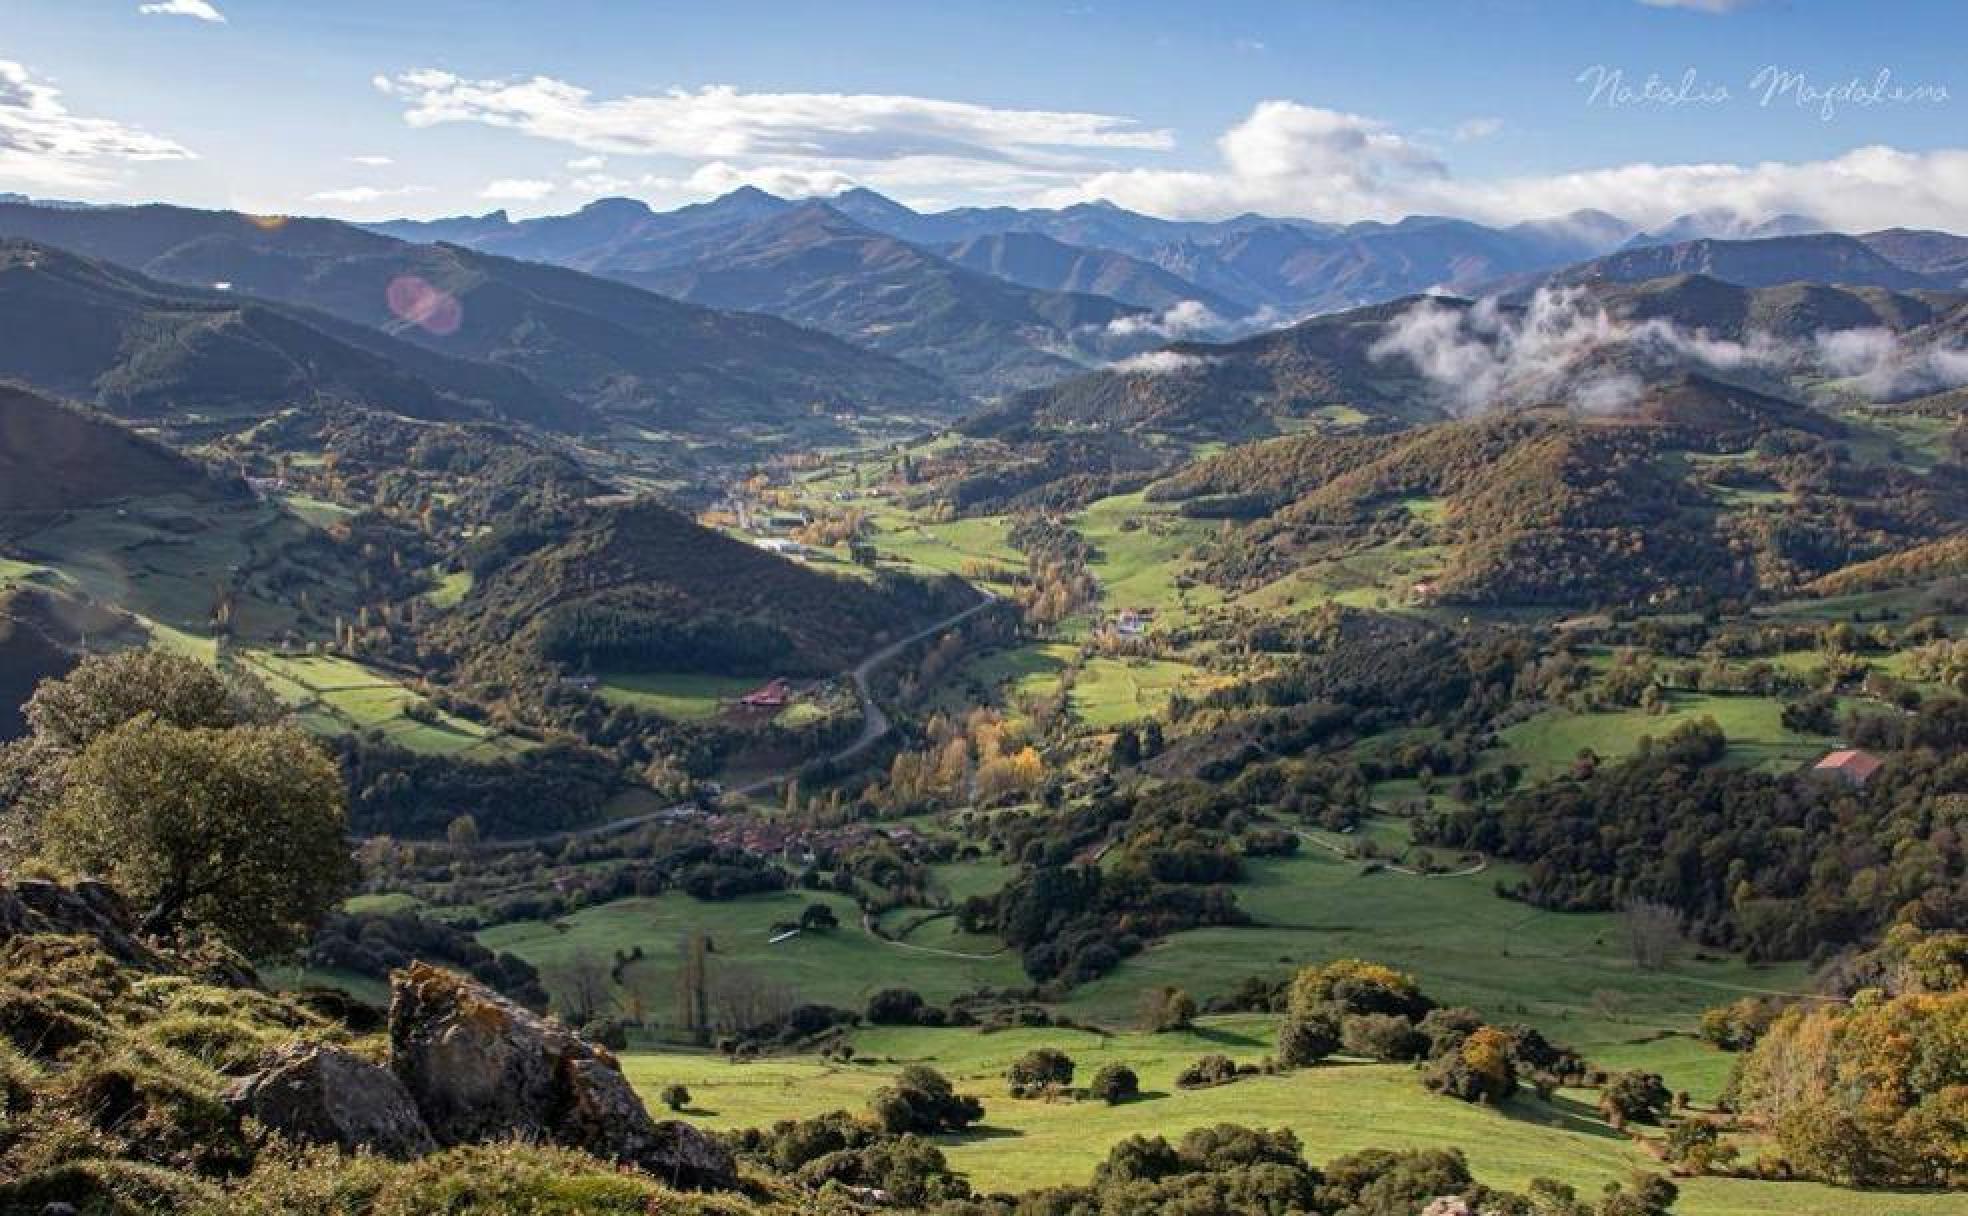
pixel 797 846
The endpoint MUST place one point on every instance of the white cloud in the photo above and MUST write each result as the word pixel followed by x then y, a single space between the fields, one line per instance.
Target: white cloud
pixel 518 190
pixel 366 194
pixel 1470 129
pixel 371 162
pixel 812 143
pixel 1564 347
pixel 1160 363
pixel 588 164
pixel 201 9
pixel 1183 319
pixel 43 144
pixel 1292 159
pixel 787 181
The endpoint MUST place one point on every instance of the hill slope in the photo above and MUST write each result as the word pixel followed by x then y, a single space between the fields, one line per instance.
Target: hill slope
pixel 1429 358
pixel 1034 260
pixel 642 588
pixel 1823 257
pixel 135 346
pixel 810 264
pixel 610 346
pixel 56 458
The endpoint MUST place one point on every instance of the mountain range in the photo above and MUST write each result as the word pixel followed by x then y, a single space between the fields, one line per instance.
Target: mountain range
pixel 867 268
pixel 550 334
pixel 816 266
pixel 1426 358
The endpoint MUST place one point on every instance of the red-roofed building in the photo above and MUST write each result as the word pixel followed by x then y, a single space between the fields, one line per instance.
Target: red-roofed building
pixel 1856 767
pixel 776 695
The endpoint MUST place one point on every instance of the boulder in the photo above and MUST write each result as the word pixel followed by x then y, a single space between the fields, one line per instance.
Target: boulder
pixel 481 1067
pixel 33 906
pixel 325 1095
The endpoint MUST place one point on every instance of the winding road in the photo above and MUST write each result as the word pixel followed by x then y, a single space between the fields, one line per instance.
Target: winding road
pixel 875 726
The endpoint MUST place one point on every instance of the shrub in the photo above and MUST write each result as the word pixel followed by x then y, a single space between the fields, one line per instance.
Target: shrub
pixel 1043 1068
pixel 1114 1084
pixel 894 1007
pixel 1208 1071
pixel 923 1101
pixel 1479 1070
pixel 1381 1036
pixel 1307 1039
pixel 1697 1144
pixel 1635 1097
pixel 676 1097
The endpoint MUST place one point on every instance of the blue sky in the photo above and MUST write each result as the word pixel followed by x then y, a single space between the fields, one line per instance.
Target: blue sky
pixel 1334 109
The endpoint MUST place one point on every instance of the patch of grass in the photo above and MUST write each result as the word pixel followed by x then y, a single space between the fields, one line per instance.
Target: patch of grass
pixel 1334 1109
pixel 315 511
pixel 451 589
pixel 1566 973
pixel 332 695
pixel 1548 743
pixel 684 696
pixel 842 967
pixel 1109 692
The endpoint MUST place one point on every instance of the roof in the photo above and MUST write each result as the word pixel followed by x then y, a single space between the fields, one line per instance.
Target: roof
pixel 1852 763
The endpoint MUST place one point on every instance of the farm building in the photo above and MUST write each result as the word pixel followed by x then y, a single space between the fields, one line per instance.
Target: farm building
pixel 776 694
pixel 1856 767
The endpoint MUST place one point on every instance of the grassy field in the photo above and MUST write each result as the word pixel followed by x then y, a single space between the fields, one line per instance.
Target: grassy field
pixel 948 548
pixel 685 696
pixel 451 589
pixel 843 967
pixel 1109 692
pixel 1566 973
pixel 1547 744
pixel 332 695
pixel 1335 1108
pixel 169 560
pixel 1138 565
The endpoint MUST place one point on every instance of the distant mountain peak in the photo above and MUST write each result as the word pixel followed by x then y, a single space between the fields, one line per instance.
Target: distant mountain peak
pixel 614 206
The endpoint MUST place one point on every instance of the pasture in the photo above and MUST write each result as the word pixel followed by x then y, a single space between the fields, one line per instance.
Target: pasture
pixel 1335 1108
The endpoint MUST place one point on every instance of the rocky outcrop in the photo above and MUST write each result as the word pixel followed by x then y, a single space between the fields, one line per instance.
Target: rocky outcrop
pixel 480 1067
pixel 87 909
pixel 325 1095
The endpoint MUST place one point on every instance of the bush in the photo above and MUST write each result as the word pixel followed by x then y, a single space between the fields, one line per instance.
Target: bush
pixel 1635 1097
pixel 1381 1036
pixel 1114 1084
pixel 1208 1071
pixel 1307 1038
pixel 1697 1144
pixel 894 1007
pixel 1481 1069
pixel 1044 1068
pixel 676 1097
pixel 922 1101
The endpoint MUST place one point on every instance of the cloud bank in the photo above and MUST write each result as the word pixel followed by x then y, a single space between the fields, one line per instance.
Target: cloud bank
pixel 42 144
pixel 1564 347
pixel 200 9
pixel 1292 159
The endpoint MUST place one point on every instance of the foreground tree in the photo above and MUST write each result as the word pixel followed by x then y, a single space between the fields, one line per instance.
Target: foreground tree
pixel 102 693
pixel 238 831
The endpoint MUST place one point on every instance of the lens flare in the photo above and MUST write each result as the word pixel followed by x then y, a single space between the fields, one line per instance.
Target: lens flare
pixel 416 302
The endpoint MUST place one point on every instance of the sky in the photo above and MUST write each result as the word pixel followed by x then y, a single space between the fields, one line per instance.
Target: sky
pixel 1342 110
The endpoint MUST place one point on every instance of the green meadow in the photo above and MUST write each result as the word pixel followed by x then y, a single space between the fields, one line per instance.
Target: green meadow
pixel 1335 1108
pixel 687 697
